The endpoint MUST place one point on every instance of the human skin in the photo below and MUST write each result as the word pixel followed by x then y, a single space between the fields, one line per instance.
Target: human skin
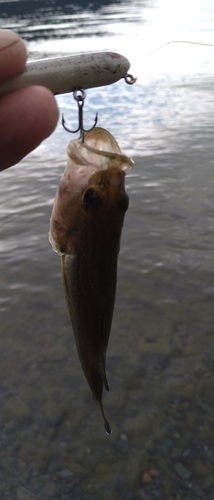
pixel 28 115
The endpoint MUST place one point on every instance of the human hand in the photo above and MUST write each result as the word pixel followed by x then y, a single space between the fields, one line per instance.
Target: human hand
pixel 28 115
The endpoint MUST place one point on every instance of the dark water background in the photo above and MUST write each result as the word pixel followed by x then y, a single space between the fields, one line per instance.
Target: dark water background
pixel 160 360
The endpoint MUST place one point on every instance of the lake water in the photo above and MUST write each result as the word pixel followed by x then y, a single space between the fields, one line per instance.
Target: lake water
pixel 160 361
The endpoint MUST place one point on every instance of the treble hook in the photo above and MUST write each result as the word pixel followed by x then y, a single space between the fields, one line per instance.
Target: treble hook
pixel 79 96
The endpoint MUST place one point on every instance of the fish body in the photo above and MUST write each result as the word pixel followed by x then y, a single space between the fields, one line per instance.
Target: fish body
pixel 85 230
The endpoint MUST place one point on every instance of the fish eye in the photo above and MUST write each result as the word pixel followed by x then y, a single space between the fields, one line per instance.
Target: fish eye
pixel 90 198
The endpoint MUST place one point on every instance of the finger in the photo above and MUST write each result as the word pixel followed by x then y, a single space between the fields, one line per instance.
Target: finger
pixel 27 116
pixel 13 54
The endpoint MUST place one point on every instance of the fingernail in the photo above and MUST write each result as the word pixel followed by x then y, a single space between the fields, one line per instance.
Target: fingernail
pixel 7 38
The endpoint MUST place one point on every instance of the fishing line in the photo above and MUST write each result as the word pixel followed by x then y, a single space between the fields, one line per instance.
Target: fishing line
pixel 170 43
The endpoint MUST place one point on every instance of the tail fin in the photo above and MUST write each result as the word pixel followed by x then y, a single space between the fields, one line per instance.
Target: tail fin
pixel 103 374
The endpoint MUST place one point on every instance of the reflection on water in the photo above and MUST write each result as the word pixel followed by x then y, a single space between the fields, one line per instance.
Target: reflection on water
pixel 160 358
pixel 40 19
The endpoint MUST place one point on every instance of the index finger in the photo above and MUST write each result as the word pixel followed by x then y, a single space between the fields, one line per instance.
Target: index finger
pixel 13 54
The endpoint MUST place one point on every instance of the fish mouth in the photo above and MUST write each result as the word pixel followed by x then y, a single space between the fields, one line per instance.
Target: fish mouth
pixel 98 151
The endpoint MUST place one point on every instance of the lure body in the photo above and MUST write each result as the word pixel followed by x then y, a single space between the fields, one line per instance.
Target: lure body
pixel 68 73
pixel 85 230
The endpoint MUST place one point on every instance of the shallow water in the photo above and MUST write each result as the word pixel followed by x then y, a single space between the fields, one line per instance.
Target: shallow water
pixel 160 361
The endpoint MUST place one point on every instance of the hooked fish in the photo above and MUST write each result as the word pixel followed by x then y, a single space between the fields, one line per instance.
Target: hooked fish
pixel 85 230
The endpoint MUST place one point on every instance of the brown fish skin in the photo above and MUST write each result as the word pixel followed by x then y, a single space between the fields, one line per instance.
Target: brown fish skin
pixel 85 230
pixel 90 272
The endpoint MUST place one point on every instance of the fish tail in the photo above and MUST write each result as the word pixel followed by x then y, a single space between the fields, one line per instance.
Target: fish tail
pixel 107 427
pixel 104 377
pixel 103 374
pixel 106 423
pixel 105 383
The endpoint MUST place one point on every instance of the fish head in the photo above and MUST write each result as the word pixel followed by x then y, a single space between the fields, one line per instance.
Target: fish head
pixel 105 191
pixel 93 183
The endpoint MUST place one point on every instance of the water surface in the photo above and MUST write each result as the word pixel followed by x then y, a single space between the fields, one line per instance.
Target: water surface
pixel 160 361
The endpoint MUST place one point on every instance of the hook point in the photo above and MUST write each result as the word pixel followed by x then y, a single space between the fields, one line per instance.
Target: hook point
pixel 79 96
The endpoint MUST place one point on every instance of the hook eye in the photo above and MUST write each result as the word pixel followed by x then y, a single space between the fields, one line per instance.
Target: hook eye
pixel 79 95
pixel 130 79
